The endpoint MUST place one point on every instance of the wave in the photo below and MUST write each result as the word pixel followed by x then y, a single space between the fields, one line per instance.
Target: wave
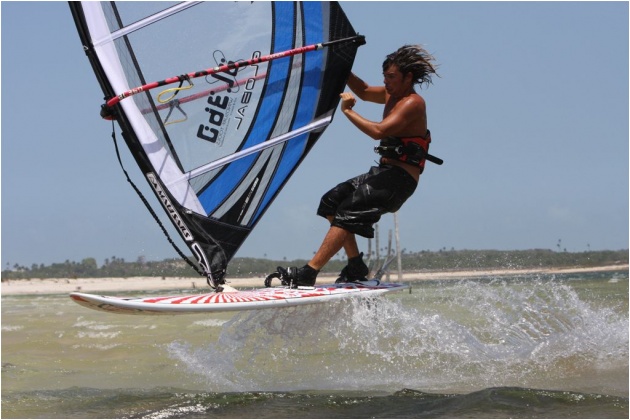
pixel 452 336
pixel 504 402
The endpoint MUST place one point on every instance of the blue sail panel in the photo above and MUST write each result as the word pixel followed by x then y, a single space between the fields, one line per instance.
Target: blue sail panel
pixel 313 65
pixel 277 78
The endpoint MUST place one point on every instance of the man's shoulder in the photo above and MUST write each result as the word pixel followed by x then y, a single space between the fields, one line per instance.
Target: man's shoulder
pixel 414 101
pixel 416 97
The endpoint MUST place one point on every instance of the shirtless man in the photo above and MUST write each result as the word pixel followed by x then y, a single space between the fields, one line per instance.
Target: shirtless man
pixel 354 206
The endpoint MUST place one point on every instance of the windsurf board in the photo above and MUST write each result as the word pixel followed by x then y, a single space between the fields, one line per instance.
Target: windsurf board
pixel 212 302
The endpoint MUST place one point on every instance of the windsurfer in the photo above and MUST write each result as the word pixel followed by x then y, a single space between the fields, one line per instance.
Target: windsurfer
pixel 354 206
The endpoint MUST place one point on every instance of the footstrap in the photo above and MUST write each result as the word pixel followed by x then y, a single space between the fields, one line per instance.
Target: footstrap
pixel 286 275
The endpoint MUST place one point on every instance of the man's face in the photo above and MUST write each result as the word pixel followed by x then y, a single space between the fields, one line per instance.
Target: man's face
pixel 395 82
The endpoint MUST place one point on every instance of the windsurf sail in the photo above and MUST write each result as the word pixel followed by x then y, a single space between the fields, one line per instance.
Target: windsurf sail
pixel 218 102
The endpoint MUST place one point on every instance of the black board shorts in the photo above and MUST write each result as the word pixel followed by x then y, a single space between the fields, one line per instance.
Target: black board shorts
pixel 359 202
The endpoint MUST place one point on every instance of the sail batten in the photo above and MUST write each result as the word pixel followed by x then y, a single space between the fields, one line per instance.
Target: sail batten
pixel 146 21
pixel 315 125
pixel 218 145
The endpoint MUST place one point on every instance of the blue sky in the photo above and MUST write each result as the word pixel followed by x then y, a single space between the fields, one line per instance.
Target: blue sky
pixel 530 115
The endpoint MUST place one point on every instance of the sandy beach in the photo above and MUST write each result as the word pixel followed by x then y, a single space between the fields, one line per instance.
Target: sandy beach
pixel 154 284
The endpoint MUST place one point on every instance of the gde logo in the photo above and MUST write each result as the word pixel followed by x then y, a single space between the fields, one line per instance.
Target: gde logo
pixel 218 106
pixel 228 77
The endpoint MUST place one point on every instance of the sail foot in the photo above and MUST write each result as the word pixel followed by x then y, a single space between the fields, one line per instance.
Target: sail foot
pixel 213 244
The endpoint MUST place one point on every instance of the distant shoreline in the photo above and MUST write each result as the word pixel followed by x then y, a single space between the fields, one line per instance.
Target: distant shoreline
pixel 151 285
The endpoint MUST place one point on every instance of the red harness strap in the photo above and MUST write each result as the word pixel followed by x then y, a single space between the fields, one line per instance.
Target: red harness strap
pixel 411 150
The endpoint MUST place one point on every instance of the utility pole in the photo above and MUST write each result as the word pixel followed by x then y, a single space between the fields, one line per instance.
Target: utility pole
pixel 378 252
pixel 389 250
pixel 398 247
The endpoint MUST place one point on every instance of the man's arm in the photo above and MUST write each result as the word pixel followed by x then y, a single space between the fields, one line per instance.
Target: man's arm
pixel 394 124
pixel 364 91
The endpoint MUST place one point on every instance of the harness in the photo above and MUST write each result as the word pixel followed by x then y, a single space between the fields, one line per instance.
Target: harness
pixel 411 150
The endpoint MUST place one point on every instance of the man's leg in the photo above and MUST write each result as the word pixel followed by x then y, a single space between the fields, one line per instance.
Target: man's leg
pixel 356 268
pixel 351 247
pixel 306 276
pixel 335 239
pixel 350 244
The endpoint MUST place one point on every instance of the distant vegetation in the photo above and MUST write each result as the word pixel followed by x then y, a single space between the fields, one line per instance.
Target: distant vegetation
pixel 256 267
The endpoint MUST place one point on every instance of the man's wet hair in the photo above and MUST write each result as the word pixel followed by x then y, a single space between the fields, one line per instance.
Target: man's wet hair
pixel 415 60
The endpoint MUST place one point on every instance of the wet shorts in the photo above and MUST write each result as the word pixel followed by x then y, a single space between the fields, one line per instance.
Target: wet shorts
pixel 358 203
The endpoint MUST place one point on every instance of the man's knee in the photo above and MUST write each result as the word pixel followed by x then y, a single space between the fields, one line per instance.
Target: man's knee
pixel 354 227
pixel 330 201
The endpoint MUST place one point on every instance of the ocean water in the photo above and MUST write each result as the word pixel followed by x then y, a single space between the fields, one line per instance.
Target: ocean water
pixel 536 346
